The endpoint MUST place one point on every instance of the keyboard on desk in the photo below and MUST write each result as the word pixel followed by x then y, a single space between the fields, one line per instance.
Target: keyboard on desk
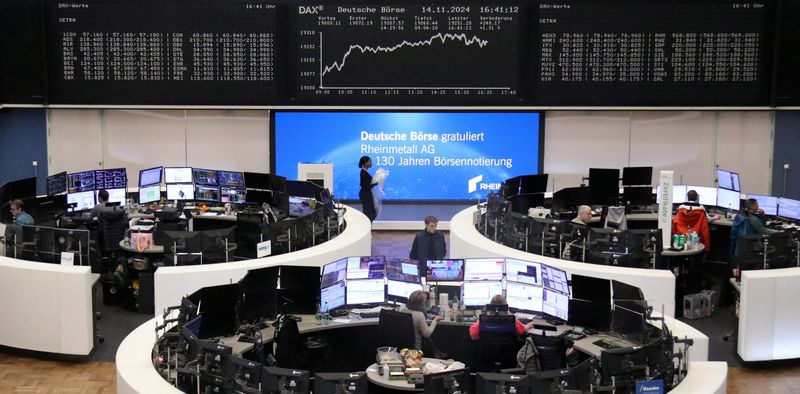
pixel 369 315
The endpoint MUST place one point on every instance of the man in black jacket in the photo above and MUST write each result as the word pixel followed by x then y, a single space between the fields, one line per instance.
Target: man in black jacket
pixel 428 245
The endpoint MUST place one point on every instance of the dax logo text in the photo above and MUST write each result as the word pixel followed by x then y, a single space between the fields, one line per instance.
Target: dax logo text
pixel 304 10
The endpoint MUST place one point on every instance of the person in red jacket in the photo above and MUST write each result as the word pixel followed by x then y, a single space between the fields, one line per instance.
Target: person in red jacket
pixel 691 217
pixel 474 329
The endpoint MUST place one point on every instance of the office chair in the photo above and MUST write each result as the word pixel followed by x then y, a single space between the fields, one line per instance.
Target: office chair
pixel 529 362
pixel 551 351
pixel 111 227
pixel 396 329
pixel 497 346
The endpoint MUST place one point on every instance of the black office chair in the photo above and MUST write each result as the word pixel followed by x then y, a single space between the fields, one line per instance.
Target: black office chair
pixel 111 227
pixel 497 345
pixel 551 351
pixel 396 329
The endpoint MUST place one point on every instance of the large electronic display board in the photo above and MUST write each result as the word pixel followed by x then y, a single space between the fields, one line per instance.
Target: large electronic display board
pixel 384 52
pixel 429 155
pixel 162 52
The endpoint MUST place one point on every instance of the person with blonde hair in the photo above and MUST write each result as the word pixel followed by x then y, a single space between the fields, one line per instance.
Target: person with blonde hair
pixel 474 329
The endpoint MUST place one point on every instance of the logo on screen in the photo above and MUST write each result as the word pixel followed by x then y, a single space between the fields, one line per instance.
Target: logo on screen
pixel 472 184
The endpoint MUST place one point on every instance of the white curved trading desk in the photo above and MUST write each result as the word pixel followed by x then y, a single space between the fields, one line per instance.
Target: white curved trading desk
pixel 769 314
pixel 658 286
pixel 137 375
pixel 46 307
pixel 173 283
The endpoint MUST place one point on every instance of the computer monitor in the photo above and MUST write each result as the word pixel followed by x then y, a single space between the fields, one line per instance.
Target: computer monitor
pixel 484 269
pixel 523 271
pixel 629 320
pixel 707 195
pixel 85 200
pixel 80 182
pixel 205 192
pixel 230 178
pixel 789 208
pixel 736 186
pixel 247 375
pixel 555 279
pixel 637 176
pixel 180 191
pixel 341 383
pixel 150 176
pixel 604 184
pixel 768 203
pixel 236 195
pixel 678 194
pixel 555 304
pixel 591 289
pixel 201 176
pixel 448 382
pixel 56 184
pixel 448 270
pixel 532 184
pixel 366 267
pixel 403 270
pixel 590 314
pixel 214 358
pixel 511 186
pixel 366 292
pixel 256 180
pixel 475 295
pixel 300 206
pixel 728 199
pixel 332 296
pixel 112 178
pixel 638 195
pixel 149 194
pixel 334 272
pixel 276 380
pixel 500 383
pixel 114 196
pixel 177 175
pixel 399 291
pixel 624 291
pixel 524 297
pixel 724 179
pixel 258 298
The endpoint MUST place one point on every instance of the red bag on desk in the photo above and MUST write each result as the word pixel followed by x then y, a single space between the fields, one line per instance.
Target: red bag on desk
pixel 687 220
pixel 142 241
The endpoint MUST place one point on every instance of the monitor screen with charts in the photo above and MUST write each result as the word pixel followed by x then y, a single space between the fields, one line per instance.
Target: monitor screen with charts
pixel 555 304
pixel 789 208
pixel 365 292
pixel 484 269
pixel 149 194
pixel 768 203
pixel 334 272
pixel 399 291
pixel 235 195
pixel 523 272
pixel 728 199
pixel 445 270
pixel 202 176
pixel 403 270
pixel 114 195
pixel 555 279
pixel 206 193
pixel 180 191
pixel 366 267
pixel 85 200
pixel 724 179
pixel 332 296
pixel 80 182
pixel 230 178
pixel 177 175
pixel 524 297
pixel 476 295
pixel 150 176
pixel 678 194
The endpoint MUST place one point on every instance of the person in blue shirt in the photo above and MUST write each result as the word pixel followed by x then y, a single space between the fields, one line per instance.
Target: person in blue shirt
pixel 21 218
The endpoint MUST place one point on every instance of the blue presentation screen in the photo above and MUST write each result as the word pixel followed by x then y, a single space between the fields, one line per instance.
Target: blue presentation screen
pixel 429 155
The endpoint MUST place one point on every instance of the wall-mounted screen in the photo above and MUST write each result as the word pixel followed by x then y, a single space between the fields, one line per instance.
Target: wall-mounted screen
pixel 476 150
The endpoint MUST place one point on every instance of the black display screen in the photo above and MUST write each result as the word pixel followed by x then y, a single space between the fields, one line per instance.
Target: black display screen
pixel 162 52
pixel 653 53
pixel 372 53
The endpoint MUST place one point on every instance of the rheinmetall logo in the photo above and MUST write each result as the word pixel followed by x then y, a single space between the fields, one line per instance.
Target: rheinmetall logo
pixel 472 184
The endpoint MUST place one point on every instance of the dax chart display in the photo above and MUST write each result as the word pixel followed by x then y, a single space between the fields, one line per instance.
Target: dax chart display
pixel 419 53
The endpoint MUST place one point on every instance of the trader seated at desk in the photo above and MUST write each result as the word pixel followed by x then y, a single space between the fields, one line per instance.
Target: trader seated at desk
pixel 102 200
pixel 416 307
pixel 692 217
pixel 474 329
pixel 584 216
pixel 21 218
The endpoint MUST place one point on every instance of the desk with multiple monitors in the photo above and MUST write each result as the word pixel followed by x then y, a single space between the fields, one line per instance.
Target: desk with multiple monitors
pixel 188 183
pixel 82 187
pixel 528 286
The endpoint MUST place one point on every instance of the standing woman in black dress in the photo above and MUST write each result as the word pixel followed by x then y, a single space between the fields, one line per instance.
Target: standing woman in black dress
pixel 365 194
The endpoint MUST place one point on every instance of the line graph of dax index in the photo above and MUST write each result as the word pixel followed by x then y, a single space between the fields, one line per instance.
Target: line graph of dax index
pixel 408 52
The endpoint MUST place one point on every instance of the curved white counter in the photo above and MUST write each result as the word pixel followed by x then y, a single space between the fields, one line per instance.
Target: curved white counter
pixel 658 286
pixel 172 283
pixel 46 307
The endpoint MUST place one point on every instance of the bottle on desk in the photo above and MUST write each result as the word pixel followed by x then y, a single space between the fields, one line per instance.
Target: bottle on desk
pixel 326 316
